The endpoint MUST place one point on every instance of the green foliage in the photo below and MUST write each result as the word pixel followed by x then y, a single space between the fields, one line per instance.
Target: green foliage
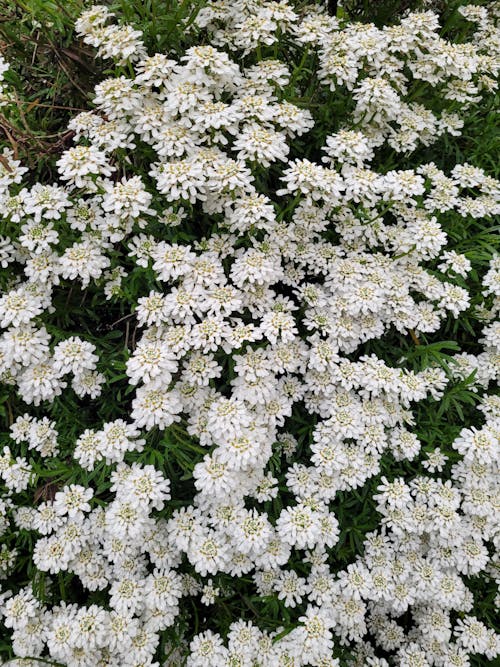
pixel 52 73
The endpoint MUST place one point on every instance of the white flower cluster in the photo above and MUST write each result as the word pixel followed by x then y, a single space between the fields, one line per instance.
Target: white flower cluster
pixel 4 93
pixel 254 319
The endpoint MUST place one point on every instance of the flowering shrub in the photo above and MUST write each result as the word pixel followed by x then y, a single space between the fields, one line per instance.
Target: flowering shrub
pixel 207 409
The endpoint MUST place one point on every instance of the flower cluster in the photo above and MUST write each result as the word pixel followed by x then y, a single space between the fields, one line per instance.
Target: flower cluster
pixel 258 271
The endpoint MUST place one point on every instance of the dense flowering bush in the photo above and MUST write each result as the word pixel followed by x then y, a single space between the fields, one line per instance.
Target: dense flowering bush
pixel 190 316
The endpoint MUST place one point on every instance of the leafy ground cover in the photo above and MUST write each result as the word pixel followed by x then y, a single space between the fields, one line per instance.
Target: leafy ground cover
pixel 249 340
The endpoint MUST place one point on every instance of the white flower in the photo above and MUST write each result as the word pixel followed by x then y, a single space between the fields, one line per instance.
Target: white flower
pixel 18 307
pixel 290 588
pixel 7 252
pixel 41 381
pixel 127 596
pixel 182 179
pixel 254 266
pixel 172 261
pixel 76 164
pixel 200 369
pixel 46 201
pixel 128 198
pixel 38 236
pixel 73 500
pixel 252 532
pixel 435 461
pixel 140 485
pixel 74 355
pixel 117 438
pixel 261 145
pixel 227 418
pixel 92 18
pixel 88 449
pixel 163 589
pixel 154 70
pixel 83 260
pixel 153 362
pixel 299 526
pixel 20 608
pixel 318 641
pixel 122 43
pixel 155 407
pixel 209 593
pixel 208 552
pixel 455 262
pixel 90 627
pixel 117 97
pixel 88 383
pixel 25 344
pixel 478 444
pixel 348 146
pixel 205 649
